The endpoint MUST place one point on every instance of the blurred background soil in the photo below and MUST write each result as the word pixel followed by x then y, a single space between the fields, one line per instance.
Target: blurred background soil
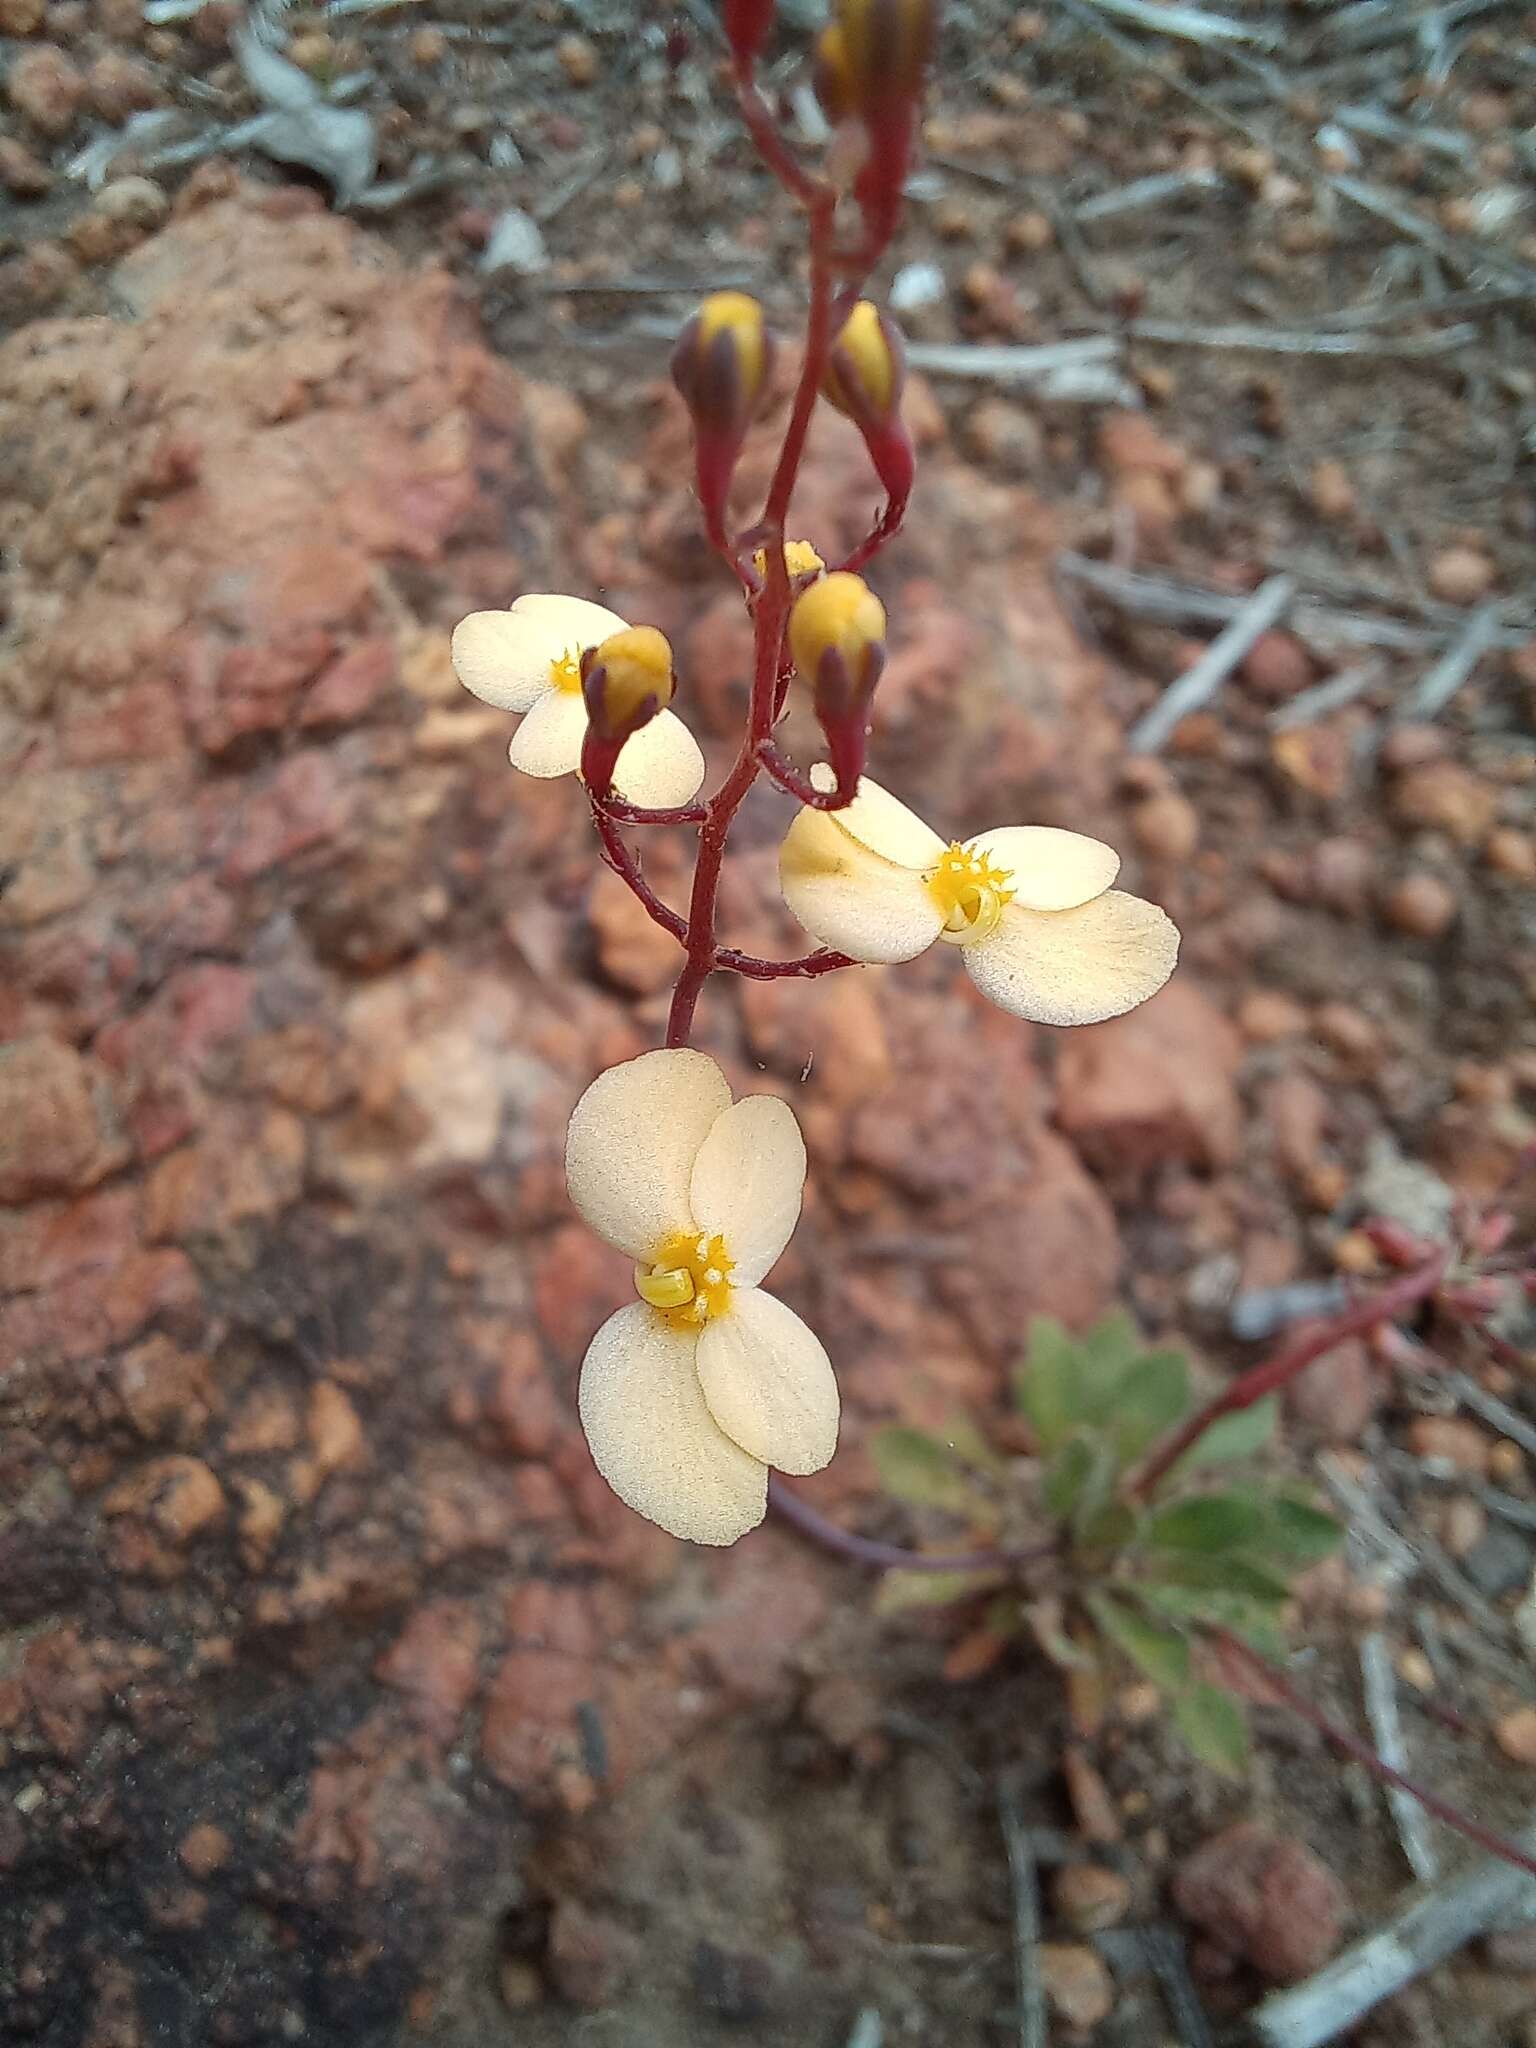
pixel 339 1701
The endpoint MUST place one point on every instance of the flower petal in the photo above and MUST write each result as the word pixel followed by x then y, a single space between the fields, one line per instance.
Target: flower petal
pixel 654 1440
pixel 548 742
pixel 869 907
pixel 882 822
pixel 503 659
pixel 747 1183
pixel 660 765
pixel 1076 966
pixel 1052 870
pixel 769 1383
pixel 634 1137
pixel 575 622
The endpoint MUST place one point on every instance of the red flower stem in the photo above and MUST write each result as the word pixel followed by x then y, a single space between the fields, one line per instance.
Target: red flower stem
pixel 1384 1306
pixel 885 528
pixel 1271 1676
pixel 638 814
pixel 769 618
pixel 626 865
pixel 729 961
pixel 771 146
pixel 891 1556
pixel 789 778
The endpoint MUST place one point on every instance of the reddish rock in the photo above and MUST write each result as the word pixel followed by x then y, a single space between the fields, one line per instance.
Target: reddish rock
pixel 166 1392
pixel 1167 827
pixel 22 174
pixel 1295 1109
pixel 1277 666
pixel 204 1849
pixel 1265 1898
pixel 46 89
pixel 117 86
pixel 1442 796
pixel 435 1665
pixel 181 1497
pixel 1421 906
pixel 590 1955
pixel 1078 1985
pixel 632 949
pixel 335 1434
pixel 1155 1087
pixel 1338 1395
pixel 57 1132
pixel 755 1628
pixel 1461 575
pixel 1130 443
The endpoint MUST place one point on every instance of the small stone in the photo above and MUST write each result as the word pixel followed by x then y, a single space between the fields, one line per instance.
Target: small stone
pixel 335 1434
pixel 1350 1033
pixel 1512 854
pixel 46 89
pixel 1092 1807
pixel 204 1849
pixel 1337 1395
pixel 1462 1445
pixel 632 948
pixel 1265 1898
pixel 1079 1987
pixel 22 174
pixel 1028 233
pixel 578 59
pixel 165 1392
pixel 1089 1897
pixel 1266 1014
pixel 1501 1562
pixel 429 46
pixel 1277 666
pixel 180 1496
pixel 21 17
pixel 54 1133
pixel 1506 1463
pixel 1516 1735
pixel 1005 435
pixel 1331 492
pixel 1463 1525
pixel 133 202
pixel 117 86
pixel 590 1955
pixel 1167 827
pixel 1461 575
pixel 1422 906
pixel 520 1984
pixel 1415 1669
pixel 312 50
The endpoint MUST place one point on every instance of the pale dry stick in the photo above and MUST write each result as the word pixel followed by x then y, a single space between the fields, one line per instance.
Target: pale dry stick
pixel 1133 1951
pixel 1024 1880
pixel 1190 24
pixel 1438 685
pixel 1002 364
pixel 1341 689
pixel 1297 342
pixel 1200 682
pixel 1142 193
pixel 1499 1413
pixel 1430 1927
pixel 1379 1691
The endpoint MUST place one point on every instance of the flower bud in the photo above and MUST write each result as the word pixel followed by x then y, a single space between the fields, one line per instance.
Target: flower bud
pixel 867 366
pixel 721 365
pixel 831 80
pixel 886 45
pixel 747 25
pixel 837 639
pixel 800 561
pixel 625 682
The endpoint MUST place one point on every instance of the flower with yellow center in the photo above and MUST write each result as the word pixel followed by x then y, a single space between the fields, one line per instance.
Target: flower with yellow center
pixel 528 660
pixel 690 1393
pixel 1039 928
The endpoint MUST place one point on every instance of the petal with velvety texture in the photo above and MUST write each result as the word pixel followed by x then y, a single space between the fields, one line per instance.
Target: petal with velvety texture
pixel 747 1183
pixel 769 1383
pixel 853 898
pixel 1076 966
pixel 505 658
pixel 632 1143
pixel 548 742
pixel 654 1439
pixel 1050 869
pixel 881 822
pixel 660 765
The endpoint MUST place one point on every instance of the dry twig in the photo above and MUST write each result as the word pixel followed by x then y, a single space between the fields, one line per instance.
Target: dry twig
pixel 1204 678
pixel 1025 1883
pixel 1379 1688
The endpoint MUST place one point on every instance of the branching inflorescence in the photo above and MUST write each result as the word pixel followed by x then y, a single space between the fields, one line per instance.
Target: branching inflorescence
pixel 695 1390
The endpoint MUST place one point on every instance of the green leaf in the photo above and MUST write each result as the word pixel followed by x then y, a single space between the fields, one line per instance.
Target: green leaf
pixel 919 1470
pixel 1067 1475
pixel 1205 1573
pixel 1211 1522
pixel 1161 1654
pixel 1215 1727
pixel 1048 1385
pixel 1108 1349
pixel 961 1437
pixel 1296 1533
pixel 1112 1525
pixel 1150 1399
pixel 899 1592
pixel 1237 1435
pixel 1257 1623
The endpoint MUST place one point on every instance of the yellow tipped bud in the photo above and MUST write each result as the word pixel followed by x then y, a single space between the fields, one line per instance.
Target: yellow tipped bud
pixel 840 615
pixel 722 362
pixel 800 559
pixel 885 46
pixel 831 79
pixel 867 366
pixel 627 680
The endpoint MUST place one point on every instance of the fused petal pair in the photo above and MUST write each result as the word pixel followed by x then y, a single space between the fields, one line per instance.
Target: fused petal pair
pixel 1041 931
pixel 692 1392
pixel 528 660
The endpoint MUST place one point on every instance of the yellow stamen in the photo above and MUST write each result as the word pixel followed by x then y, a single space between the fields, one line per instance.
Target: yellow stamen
pixel 688 1280
pixel 970 892
pixel 800 559
pixel 565 671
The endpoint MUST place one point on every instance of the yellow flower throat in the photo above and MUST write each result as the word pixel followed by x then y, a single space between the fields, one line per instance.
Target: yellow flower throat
pixel 565 671
pixel 970 892
pixel 689 1279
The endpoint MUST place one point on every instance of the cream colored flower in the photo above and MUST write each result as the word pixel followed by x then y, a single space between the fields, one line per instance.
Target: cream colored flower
pixel 528 660
pixel 689 1394
pixel 1039 928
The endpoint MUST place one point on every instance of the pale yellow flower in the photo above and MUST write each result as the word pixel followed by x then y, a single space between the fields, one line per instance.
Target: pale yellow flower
pixel 1040 930
pixel 689 1394
pixel 528 660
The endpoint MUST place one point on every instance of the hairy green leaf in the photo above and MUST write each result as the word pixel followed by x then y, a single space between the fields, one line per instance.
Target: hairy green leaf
pixel 1067 1475
pixel 1296 1533
pixel 899 1591
pixel 1215 1727
pixel 1151 1397
pixel 1209 1523
pixel 1256 1622
pixel 1217 1574
pixel 1110 1525
pixel 1108 1348
pixel 965 1441
pixel 1048 1385
pixel 1237 1435
pixel 1161 1654
pixel 920 1470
